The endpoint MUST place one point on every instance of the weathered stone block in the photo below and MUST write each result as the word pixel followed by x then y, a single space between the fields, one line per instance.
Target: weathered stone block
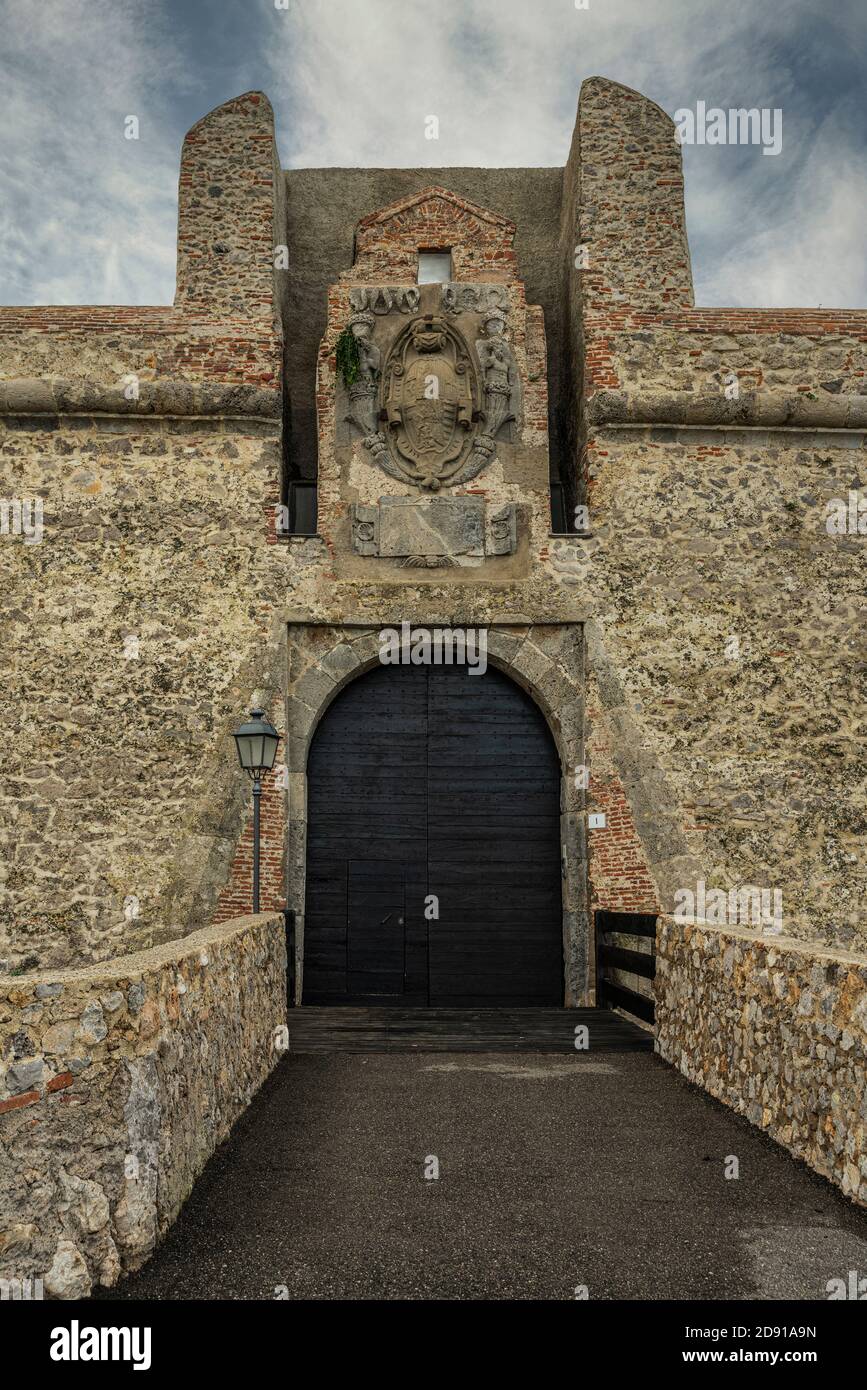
pixel 443 526
pixel 502 531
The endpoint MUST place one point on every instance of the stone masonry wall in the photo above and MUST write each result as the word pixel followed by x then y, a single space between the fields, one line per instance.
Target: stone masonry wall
pixel 629 209
pixel 227 207
pixel 731 618
pixel 707 445
pixel 777 1031
pixel 117 1083
pixel 141 627
pixel 137 633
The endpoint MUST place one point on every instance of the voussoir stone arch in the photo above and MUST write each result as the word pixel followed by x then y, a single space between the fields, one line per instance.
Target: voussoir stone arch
pixel 545 660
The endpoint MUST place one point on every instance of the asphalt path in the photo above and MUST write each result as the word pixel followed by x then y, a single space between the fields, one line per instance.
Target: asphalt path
pixel 556 1174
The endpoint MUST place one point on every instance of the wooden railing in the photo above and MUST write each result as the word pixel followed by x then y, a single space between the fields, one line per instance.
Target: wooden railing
pixel 614 957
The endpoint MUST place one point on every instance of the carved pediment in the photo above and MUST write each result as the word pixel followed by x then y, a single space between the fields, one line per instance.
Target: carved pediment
pixel 393 236
pixel 435 203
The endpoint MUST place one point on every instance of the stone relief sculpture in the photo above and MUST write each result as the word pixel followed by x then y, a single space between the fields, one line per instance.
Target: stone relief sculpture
pixel 497 365
pixel 430 400
pixel 502 536
pixel 428 417
pixel 433 532
pixel 477 299
pixel 382 299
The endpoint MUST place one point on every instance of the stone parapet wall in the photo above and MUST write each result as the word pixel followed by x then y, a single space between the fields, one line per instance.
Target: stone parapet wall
pixel 779 355
pixel 639 350
pixel 117 1083
pixel 70 350
pixel 778 1031
pixel 224 326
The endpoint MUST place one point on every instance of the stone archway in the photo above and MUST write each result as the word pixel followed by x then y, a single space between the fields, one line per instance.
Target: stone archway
pixel 546 660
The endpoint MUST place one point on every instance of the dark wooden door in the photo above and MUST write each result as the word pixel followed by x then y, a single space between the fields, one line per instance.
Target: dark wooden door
pixel 428 782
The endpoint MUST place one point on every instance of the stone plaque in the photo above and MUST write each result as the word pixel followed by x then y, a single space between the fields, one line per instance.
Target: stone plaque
pixel 434 532
pixel 441 527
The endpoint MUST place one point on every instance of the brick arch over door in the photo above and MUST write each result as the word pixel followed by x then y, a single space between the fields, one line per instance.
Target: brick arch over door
pixel 433 844
pixel 546 661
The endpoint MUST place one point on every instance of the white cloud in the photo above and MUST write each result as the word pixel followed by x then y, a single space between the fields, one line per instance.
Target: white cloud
pixel 356 81
pixel 88 215
pixel 796 240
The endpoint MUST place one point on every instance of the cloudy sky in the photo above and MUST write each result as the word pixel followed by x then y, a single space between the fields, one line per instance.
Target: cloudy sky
pixel 87 216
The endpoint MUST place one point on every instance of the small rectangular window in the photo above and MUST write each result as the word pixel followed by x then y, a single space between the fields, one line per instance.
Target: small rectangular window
pixel 434 267
pixel 302 507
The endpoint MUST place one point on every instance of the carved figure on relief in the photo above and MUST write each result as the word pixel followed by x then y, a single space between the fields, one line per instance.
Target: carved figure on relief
pixel 364 390
pixel 497 365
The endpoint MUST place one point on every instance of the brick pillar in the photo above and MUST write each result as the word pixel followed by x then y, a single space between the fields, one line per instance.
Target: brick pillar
pixel 236 895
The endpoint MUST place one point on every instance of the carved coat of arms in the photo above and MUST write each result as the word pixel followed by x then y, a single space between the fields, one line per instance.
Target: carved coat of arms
pixel 427 416
pixel 430 402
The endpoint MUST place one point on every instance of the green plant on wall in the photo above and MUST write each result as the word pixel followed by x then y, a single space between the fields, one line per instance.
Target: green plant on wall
pixel 348 358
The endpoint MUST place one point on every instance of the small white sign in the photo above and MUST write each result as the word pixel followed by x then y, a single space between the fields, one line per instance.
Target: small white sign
pixel 596 820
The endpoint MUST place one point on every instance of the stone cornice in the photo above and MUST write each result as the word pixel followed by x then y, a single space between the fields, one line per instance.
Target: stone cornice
pixel 753 408
pixel 35 396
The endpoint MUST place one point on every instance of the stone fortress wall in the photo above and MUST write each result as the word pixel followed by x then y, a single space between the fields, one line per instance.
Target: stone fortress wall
pixel 139 626
pixel 159 601
pixel 706 516
pixel 708 513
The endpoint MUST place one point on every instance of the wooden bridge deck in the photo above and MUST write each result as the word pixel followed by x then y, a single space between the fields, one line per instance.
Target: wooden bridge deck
pixel 346 1029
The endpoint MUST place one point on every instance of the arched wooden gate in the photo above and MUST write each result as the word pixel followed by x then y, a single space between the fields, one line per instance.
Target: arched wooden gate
pixel 433 854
